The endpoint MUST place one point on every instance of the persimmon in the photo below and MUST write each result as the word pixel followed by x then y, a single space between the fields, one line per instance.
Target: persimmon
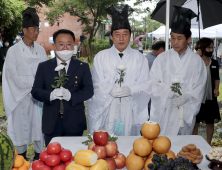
pixel 14 169
pixel 18 162
pixel 21 157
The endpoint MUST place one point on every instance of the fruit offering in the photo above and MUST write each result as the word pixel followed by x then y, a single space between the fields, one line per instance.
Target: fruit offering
pixel 106 148
pixel 215 154
pixel 145 147
pixel 160 162
pixel 20 163
pixel 192 153
pixel 54 157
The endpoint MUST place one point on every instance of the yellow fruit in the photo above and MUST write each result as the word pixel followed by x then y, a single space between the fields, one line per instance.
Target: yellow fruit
pixel 142 147
pixel 134 162
pixel 85 157
pixel 150 130
pixel 74 166
pixel 161 145
pixel 100 165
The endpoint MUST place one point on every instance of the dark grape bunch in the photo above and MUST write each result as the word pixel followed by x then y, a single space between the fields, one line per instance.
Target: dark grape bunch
pixel 160 162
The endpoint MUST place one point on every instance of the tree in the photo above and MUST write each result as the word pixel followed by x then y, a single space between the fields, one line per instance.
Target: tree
pixel 10 18
pixel 38 3
pixel 90 12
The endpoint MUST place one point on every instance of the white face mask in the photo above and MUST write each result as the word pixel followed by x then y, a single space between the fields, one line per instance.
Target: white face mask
pixel 65 54
pixel 6 44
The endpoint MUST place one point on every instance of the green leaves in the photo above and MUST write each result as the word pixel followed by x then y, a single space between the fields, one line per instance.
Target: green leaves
pixel 176 88
pixel 60 81
pixel 90 139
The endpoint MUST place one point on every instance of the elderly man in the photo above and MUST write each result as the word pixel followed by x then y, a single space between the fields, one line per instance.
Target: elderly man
pixel 121 82
pixel 22 110
pixel 176 113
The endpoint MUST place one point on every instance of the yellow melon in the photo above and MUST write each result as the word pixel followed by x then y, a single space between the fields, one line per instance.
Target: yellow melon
pixel 74 166
pixel 150 130
pixel 134 162
pixel 85 157
pixel 100 165
pixel 161 145
pixel 142 147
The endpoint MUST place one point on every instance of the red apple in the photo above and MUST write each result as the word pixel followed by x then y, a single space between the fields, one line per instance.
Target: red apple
pixel 100 151
pixel 111 163
pixel 111 148
pixel 67 163
pixel 120 160
pixel 90 146
pixel 100 137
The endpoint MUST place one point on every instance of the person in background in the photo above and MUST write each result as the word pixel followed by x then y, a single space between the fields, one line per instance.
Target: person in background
pixel 209 110
pixel 63 108
pixel 140 44
pixel 22 110
pixel 157 49
pixel 176 113
pixel 119 108
pixel 3 52
pixel 219 53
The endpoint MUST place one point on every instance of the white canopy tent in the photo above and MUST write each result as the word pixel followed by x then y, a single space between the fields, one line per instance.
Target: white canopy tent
pixel 211 32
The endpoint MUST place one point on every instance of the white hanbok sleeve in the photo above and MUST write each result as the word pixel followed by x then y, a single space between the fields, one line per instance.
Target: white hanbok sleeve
pixel 141 92
pixel 160 90
pixel 99 103
pixel 219 50
pixel 19 84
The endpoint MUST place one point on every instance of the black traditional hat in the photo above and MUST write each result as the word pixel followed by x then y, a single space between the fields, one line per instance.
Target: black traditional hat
pixel 30 18
pixel 119 13
pixel 181 20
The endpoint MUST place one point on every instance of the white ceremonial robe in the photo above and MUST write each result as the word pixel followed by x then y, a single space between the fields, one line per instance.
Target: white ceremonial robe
pixel 22 111
pixel 190 70
pixel 105 112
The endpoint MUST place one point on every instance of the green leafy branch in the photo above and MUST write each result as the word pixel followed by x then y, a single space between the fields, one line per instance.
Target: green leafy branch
pixel 120 80
pixel 61 80
pixel 176 88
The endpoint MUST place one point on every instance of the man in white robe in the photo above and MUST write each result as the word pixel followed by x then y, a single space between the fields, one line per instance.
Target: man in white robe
pixel 119 110
pixel 176 114
pixel 22 110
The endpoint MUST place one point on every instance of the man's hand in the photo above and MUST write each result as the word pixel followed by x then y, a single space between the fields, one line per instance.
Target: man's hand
pixel 66 94
pixel 56 94
pixel 216 93
pixel 181 100
pixel 120 91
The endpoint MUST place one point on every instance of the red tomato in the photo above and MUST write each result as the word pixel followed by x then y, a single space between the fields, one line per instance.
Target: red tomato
pixel 59 167
pixel 37 164
pixel 44 167
pixel 65 155
pixel 54 148
pixel 67 163
pixel 43 155
pixel 52 160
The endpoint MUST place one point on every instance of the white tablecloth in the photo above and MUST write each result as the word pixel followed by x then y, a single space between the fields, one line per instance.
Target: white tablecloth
pixel 125 145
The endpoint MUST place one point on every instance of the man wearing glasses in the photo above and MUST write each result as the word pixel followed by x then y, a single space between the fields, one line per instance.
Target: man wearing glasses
pixel 22 110
pixel 63 108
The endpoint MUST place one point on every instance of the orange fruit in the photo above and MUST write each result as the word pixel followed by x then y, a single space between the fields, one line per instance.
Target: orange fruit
pixel 14 169
pixel 161 145
pixel 150 130
pixel 142 146
pixel 20 156
pixel 27 164
pixel 18 162
pixel 134 162
pixel 23 167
